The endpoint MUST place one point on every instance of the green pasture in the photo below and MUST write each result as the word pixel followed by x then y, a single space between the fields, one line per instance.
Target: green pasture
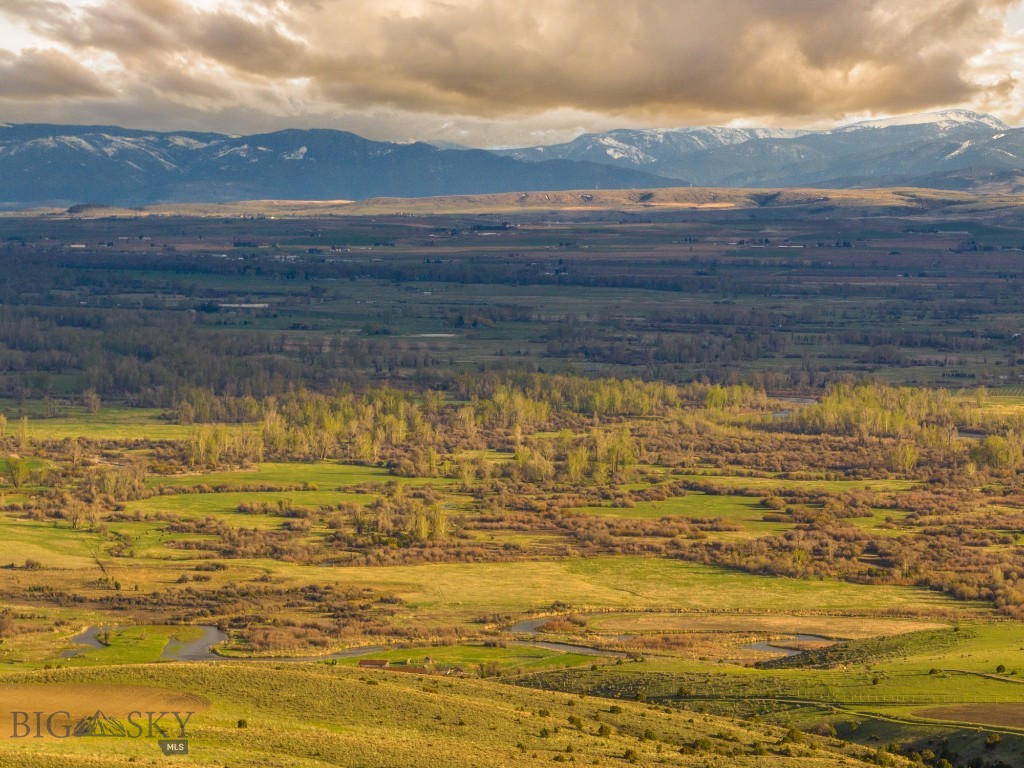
pixel 326 475
pixel 216 504
pixel 911 688
pixel 511 658
pixel 466 590
pixel 111 422
pixel 744 511
pixel 776 484
pixel 774 624
pixel 52 544
pixel 968 663
pixel 877 523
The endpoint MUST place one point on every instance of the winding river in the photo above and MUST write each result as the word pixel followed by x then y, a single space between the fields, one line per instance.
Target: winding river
pixel 202 647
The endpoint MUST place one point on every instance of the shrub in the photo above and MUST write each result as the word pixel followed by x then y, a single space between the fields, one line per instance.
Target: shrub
pixel 793 736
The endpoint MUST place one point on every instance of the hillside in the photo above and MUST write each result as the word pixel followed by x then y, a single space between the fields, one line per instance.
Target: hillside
pixel 637 202
pixel 316 715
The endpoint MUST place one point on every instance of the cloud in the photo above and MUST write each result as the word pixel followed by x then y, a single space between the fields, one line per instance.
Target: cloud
pixel 1001 66
pixel 488 62
pixel 726 57
pixel 42 75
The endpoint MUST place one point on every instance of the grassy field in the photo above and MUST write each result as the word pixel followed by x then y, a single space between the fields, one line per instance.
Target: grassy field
pixel 468 590
pixel 311 715
pixel 903 671
pixel 216 504
pixel 774 485
pixel 111 422
pixel 325 475
pixel 743 511
pixel 841 627
pixel 515 659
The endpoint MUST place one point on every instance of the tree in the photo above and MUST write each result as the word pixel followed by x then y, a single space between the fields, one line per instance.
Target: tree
pixel 23 433
pixel 438 520
pixel 419 526
pixel 91 400
pixel 996 452
pixel 903 457
pixel 18 471
pixel 577 463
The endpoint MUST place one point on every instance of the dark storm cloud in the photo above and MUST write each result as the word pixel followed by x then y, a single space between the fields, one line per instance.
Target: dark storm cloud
pixel 721 56
pixel 647 59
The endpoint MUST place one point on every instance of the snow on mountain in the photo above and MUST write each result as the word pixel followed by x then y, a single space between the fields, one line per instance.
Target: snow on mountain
pixel 241 151
pixel 959 150
pixel 148 146
pixel 186 142
pixel 724 135
pixel 76 142
pixel 934 147
pixel 945 120
pixel 58 164
pixel 646 147
pixel 954 149
pixel 618 150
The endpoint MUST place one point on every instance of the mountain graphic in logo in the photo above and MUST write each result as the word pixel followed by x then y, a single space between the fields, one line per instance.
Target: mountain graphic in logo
pixel 100 725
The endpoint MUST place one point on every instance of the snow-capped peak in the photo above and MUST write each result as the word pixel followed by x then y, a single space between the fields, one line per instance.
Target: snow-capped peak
pixel 738 135
pixel 944 120
pixel 185 141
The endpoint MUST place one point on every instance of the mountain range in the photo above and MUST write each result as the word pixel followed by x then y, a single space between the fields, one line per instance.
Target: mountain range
pixel 953 149
pixel 64 165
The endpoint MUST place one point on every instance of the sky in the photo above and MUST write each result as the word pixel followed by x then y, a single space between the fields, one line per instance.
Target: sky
pixel 503 72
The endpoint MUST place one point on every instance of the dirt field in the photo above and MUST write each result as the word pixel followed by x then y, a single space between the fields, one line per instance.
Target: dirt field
pixel 1007 715
pixel 844 627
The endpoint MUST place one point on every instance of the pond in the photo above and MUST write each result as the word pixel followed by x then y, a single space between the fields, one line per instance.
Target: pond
pixel 792 645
